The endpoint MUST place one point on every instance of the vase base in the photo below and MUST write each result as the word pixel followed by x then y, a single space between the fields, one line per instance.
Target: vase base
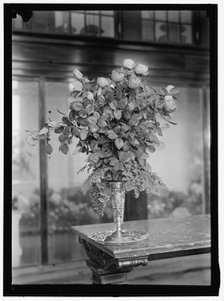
pixel 118 238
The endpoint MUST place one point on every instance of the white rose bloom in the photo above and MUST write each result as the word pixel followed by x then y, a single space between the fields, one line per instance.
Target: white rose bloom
pixel 128 63
pixel 134 82
pixel 102 82
pixel 141 69
pixel 169 105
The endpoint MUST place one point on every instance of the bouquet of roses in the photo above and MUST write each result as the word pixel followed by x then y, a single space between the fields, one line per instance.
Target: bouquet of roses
pixel 116 121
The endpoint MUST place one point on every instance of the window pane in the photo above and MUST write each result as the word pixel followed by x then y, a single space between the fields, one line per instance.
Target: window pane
pixel 160 15
pixel 77 23
pixel 185 16
pixel 174 33
pixel 186 34
pixel 92 11
pixel 107 12
pixel 147 30
pixel 92 25
pixel 17 23
pixel 183 172
pixel 173 16
pixel 147 14
pixel 39 22
pixel 25 176
pixel 68 205
pixel 107 26
pixel 161 32
pixel 62 22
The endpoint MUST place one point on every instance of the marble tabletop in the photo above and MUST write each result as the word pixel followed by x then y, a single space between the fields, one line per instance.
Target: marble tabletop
pixel 166 236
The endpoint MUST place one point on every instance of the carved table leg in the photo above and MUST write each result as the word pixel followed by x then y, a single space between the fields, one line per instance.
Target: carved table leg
pixel 102 276
pixel 107 269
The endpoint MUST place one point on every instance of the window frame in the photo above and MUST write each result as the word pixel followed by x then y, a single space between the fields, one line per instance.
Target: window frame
pixel 118 33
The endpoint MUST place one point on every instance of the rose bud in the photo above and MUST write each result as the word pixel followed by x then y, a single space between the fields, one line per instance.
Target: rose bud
pixel 169 105
pixel 117 76
pixel 128 63
pixel 102 82
pixel 134 82
pixel 142 70
pixel 90 95
pixel 78 75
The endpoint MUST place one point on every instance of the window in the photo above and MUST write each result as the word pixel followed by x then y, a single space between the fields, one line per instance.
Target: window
pixel 167 26
pixel 67 204
pixel 184 146
pixel 90 23
pixel 26 174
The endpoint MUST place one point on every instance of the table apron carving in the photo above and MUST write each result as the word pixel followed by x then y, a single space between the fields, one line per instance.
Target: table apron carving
pixel 108 262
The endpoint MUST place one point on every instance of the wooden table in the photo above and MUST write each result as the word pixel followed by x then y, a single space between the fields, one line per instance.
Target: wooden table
pixel 168 237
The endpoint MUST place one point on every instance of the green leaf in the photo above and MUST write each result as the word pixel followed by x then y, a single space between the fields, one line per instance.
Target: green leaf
pixel 75 131
pixel 151 148
pixel 62 138
pixel 89 109
pixel 163 91
pixel 113 105
pixel 83 134
pixel 93 127
pixel 133 121
pixel 93 158
pixel 159 131
pixel 155 139
pixel 125 127
pixel 59 130
pixel 126 146
pixel 76 106
pixel 127 115
pixel 122 103
pixel 67 121
pixel 92 120
pixel 94 145
pixel 48 148
pixel 82 121
pixel 96 115
pixel 111 134
pixel 113 161
pixel 101 122
pixel 107 110
pixel 64 148
pixel 119 91
pixel 118 166
pixel 109 96
pixel 118 114
pixel 72 115
pixel 126 156
pixel 119 143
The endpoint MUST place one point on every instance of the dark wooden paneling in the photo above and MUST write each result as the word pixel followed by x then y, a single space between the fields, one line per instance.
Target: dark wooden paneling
pixel 44 58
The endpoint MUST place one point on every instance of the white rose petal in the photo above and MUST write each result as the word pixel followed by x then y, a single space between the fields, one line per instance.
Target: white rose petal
pixel 78 75
pixel 90 95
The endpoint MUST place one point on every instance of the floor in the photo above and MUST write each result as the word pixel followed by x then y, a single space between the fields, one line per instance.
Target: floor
pixel 189 270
